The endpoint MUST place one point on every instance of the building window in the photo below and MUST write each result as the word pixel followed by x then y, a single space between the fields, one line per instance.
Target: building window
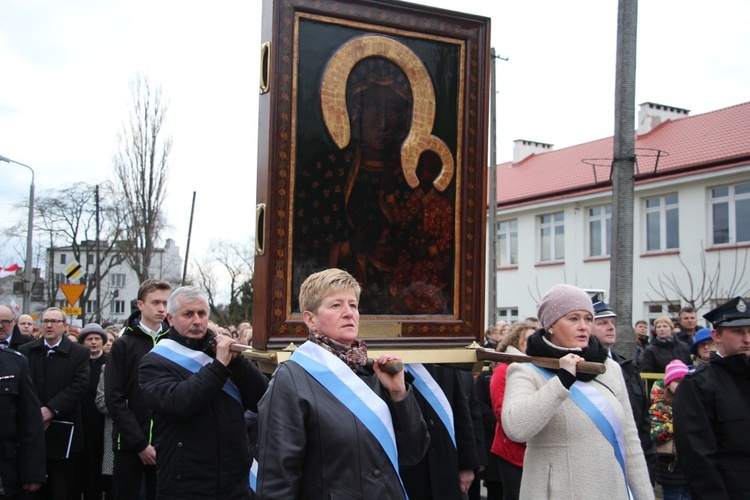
pixel 657 310
pixel 509 314
pixel 117 307
pixel 63 258
pixel 552 237
pixel 507 243
pixel 662 223
pixel 60 278
pixel 600 231
pixel 730 214
pixel 90 259
pixel 91 306
pixel 117 280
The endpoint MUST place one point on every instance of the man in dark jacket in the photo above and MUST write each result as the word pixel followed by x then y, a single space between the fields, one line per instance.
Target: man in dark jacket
pixel 21 428
pixel 604 329
pixel 688 325
pixel 712 410
pixel 10 334
pixel 198 390
pixel 447 470
pixel 60 371
pixel 135 456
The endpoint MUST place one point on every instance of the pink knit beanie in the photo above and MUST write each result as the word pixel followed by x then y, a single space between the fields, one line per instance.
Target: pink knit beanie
pixel 675 370
pixel 561 300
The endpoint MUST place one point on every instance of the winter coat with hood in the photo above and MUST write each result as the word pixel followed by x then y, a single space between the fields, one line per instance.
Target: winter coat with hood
pixel 122 394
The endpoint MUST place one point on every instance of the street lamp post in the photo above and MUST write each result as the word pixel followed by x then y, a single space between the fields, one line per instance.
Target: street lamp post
pixel 27 268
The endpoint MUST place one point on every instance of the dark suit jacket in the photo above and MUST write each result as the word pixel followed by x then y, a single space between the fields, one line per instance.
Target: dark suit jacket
pixel 18 339
pixel 61 381
pixel 436 475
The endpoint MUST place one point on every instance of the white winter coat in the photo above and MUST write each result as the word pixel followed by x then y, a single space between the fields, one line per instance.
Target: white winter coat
pixel 567 457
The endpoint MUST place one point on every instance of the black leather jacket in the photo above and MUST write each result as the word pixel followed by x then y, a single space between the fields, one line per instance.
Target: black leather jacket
pixel 313 447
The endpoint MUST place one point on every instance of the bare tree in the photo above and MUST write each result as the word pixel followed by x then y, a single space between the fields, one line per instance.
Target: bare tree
pixel 704 286
pixel 227 273
pixel 207 279
pixel 141 167
pixel 68 217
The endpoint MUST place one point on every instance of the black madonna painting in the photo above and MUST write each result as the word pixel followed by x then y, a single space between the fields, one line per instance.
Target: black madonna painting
pixel 383 168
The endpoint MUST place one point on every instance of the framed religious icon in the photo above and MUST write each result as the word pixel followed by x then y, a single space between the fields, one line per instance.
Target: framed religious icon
pixel 372 158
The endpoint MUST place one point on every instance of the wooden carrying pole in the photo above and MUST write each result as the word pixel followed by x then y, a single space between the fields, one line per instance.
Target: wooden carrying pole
pixel 550 363
pixel 393 366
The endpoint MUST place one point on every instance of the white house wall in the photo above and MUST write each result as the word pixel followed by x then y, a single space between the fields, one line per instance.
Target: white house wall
pixel 522 287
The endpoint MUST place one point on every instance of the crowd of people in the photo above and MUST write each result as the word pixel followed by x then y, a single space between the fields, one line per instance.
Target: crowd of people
pixel 164 407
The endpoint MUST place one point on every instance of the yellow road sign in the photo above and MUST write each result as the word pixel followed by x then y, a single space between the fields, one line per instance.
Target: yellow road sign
pixel 72 311
pixel 73 271
pixel 72 292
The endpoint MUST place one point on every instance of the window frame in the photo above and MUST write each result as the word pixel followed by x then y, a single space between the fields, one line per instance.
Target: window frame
pixel 663 210
pixel 553 225
pixel 730 200
pixel 605 233
pixel 507 314
pixel 507 240
pixel 114 307
pixel 117 280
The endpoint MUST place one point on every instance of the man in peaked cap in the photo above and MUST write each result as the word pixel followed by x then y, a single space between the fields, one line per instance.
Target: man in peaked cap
pixel 604 330
pixel 712 410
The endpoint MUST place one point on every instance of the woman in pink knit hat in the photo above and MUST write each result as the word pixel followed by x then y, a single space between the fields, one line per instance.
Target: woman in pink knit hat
pixel 581 440
pixel 668 471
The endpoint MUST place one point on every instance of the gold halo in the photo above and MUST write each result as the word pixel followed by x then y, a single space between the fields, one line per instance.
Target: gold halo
pixel 419 139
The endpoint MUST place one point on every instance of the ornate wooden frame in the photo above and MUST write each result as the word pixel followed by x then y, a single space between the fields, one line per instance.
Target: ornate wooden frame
pixel 309 50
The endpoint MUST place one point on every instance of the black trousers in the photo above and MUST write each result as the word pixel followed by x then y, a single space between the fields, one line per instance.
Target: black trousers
pixel 128 474
pixel 511 478
pixel 60 481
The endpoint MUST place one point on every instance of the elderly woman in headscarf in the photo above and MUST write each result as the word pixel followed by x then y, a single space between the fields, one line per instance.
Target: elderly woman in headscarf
pixel 581 440
pixel 329 426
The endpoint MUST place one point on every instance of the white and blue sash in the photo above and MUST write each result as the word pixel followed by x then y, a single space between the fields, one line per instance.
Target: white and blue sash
pixel 352 392
pixel 598 409
pixel 192 361
pixel 253 477
pixel 434 395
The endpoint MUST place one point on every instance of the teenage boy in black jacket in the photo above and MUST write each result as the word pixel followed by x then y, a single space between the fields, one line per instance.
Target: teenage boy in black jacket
pixel 135 457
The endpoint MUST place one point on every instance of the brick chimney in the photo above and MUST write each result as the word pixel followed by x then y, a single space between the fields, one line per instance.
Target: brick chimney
pixel 522 149
pixel 651 115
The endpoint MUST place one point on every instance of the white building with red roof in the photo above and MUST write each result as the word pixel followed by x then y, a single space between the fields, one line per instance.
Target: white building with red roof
pixel 692 214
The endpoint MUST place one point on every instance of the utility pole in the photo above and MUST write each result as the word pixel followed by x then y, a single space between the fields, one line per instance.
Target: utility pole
pixel 623 183
pixel 98 262
pixel 28 279
pixel 492 203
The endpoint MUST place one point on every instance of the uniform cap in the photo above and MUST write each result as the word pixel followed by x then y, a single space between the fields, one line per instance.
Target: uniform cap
pixel 732 313
pixel 601 309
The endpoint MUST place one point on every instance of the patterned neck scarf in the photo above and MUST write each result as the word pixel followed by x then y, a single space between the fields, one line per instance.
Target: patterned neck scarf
pixel 354 355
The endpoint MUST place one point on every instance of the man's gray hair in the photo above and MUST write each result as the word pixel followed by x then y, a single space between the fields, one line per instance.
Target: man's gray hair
pixel 64 316
pixel 184 293
pixel 12 312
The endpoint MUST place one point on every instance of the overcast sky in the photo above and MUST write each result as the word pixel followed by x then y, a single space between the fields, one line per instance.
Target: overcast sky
pixel 65 68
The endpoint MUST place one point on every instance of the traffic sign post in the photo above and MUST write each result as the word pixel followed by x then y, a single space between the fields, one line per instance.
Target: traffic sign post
pixel 72 292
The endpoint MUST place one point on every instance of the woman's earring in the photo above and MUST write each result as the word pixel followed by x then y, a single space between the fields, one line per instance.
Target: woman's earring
pixel 551 332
